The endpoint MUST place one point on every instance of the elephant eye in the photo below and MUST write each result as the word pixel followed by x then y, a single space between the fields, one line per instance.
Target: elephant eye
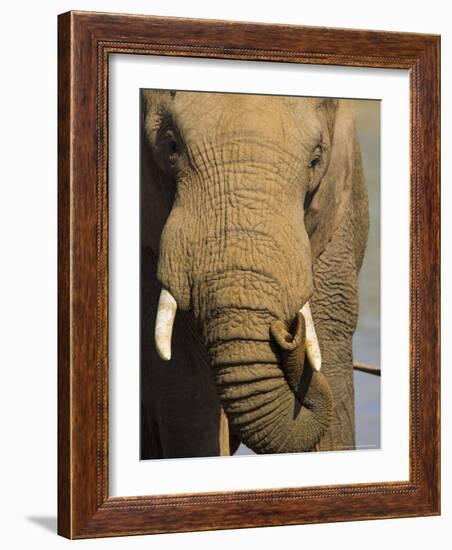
pixel 315 161
pixel 316 157
pixel 171 145
pixel 168 142
pixel 316 165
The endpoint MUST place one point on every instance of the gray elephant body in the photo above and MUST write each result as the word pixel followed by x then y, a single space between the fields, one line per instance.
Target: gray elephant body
pixel 264 207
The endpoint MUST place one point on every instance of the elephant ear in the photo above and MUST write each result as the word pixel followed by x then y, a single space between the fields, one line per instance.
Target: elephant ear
pixel 342 182
pixel 157 187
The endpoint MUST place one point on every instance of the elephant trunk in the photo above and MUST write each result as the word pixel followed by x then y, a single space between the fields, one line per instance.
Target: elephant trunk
pixel 272 397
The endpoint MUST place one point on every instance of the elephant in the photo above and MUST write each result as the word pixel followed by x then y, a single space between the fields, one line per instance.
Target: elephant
pixel 254 224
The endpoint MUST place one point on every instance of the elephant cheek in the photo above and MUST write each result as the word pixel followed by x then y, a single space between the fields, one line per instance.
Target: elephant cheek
pixel 173 266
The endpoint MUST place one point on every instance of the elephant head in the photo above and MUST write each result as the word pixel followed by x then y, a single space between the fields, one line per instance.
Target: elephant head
pixel 259 187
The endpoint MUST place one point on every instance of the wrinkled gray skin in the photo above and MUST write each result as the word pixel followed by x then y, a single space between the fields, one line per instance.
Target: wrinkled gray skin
pixel 268 210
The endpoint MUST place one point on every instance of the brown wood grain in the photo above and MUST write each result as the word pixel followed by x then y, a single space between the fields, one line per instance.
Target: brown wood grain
pixel 85 42
pixel 64 296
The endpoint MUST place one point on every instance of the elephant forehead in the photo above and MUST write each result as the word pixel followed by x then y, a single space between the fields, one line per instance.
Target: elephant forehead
pixel 270 116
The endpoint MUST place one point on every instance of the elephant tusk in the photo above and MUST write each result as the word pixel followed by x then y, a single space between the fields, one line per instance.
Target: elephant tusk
pixel 164 322
pixel 312 342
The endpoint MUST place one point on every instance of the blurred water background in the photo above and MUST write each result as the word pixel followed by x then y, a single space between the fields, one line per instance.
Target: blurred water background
pixel 366 342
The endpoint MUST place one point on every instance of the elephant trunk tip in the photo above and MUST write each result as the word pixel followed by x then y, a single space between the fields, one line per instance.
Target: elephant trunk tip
pixel 300 333
pixel 289 336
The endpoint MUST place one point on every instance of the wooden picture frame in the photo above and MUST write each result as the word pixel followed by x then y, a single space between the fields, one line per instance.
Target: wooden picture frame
pixel 85 42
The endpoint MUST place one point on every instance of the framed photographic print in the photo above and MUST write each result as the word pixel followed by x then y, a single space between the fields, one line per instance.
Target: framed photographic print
pixel 248 274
